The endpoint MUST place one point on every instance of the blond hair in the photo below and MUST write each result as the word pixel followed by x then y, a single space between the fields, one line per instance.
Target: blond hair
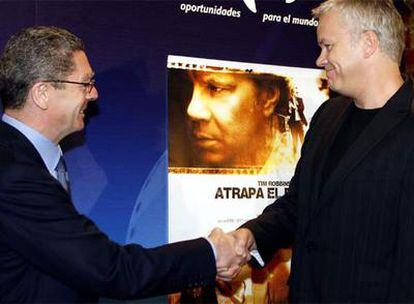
pixel 379 16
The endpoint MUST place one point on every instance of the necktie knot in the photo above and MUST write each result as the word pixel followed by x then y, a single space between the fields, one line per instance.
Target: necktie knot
pixel 62 174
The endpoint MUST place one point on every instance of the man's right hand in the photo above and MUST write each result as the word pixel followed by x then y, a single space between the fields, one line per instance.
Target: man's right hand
pixel 230 256
pixel 244 239
pixel 233 251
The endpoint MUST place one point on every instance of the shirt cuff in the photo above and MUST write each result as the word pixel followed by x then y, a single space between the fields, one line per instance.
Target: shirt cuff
pixel 255 253
pixel 212 247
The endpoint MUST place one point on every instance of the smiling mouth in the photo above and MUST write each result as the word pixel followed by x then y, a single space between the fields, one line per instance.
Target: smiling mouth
pixel 83 111
pixel 329 68
pixel 330 73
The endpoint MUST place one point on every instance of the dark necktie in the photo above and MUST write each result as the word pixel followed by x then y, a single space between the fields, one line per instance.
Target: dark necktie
pixel 62 174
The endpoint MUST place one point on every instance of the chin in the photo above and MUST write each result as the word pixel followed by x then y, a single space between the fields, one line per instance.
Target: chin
pixel 80 126
pixel 213 161
pixel 334 88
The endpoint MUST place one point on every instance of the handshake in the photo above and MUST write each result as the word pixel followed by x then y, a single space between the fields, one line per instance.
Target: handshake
pixel 233 250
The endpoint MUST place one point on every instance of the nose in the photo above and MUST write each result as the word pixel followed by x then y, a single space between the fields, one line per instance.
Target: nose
pixel 93 94
pixel 321 61
pixel 197 109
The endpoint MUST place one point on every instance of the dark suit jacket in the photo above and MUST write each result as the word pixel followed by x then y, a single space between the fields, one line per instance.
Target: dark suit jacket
pixel 353 237
pixel 51 253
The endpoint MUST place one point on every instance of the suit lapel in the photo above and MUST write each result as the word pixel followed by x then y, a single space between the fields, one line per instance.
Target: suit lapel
pixel 326 145
pixel 26 151
pixel 322 143
pixel 392 114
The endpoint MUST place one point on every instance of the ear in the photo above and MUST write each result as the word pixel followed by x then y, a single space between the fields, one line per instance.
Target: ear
pixel 270 98
pixel 39 95
pixel 370 43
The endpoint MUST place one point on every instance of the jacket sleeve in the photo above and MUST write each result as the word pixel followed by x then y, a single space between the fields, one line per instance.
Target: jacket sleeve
pixel 39 222
pixel 275 228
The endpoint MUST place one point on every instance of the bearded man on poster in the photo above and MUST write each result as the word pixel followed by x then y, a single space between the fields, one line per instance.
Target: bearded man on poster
pixel 349 213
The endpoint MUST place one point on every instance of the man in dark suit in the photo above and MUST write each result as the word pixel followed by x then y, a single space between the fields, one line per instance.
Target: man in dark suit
pixel 48 251
pixel 349 212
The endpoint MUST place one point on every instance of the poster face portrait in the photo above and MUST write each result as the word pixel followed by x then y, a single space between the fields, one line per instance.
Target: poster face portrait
pixel 233 118
pixel 227 120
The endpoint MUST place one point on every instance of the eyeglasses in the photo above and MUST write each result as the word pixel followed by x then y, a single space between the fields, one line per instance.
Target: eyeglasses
pixel 88 85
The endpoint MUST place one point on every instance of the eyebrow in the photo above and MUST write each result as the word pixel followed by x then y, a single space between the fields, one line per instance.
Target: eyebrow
pixel 218 79
pixel 89 76
pixel 324 41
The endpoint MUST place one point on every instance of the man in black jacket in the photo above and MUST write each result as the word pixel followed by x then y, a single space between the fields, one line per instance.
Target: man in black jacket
pixel 349 213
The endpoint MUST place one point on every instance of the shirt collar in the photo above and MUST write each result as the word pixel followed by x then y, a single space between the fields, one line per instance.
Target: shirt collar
pixel 49 151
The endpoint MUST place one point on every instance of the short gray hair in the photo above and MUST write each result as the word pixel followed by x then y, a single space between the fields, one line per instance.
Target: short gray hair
pixel 379 16
pixel 33 54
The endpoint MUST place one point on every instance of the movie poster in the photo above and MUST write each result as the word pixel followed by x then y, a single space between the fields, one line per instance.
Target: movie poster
pixel 234 138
